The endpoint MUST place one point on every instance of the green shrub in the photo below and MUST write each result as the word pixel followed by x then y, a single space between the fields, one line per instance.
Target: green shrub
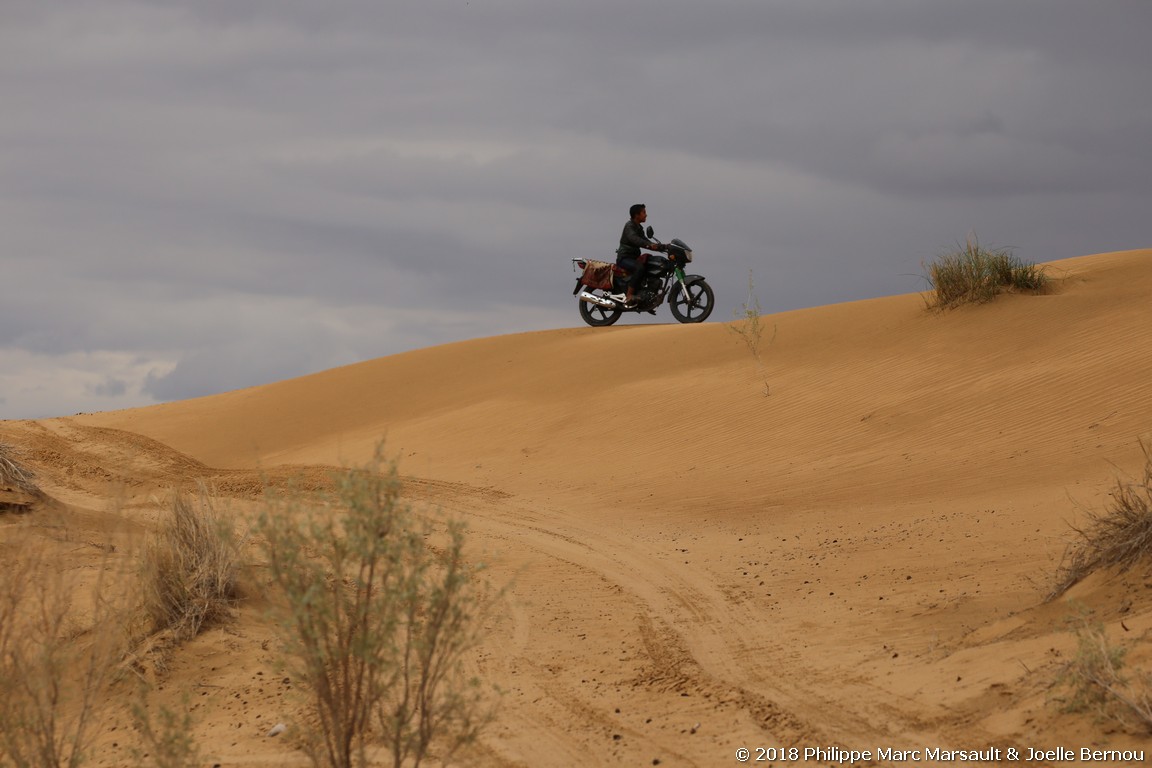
pixel 972 274
pixel 748 327
pixel 1096 681
pixel 379 621
pixel 166 739
pixel 56 661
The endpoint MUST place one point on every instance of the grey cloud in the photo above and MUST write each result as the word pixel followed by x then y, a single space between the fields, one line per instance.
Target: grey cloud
pixel 262 188
pixel 109 388
pixel 206 371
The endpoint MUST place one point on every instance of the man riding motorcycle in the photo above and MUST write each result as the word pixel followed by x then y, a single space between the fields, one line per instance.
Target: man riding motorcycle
pixel 628 255
pixel 650 279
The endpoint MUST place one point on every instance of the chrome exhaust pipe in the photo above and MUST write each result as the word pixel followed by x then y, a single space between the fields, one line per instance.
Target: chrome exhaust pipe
pixel 599 301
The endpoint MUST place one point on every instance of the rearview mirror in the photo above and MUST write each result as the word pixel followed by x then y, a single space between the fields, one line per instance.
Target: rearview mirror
pixel 649 231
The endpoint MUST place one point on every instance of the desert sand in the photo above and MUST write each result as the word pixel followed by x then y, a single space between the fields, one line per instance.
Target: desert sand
pixel 844 546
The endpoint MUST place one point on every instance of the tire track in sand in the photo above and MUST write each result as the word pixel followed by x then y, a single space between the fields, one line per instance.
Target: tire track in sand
pixel 700 644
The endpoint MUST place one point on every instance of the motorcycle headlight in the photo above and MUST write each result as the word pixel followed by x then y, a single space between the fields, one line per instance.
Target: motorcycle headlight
pixel 687 255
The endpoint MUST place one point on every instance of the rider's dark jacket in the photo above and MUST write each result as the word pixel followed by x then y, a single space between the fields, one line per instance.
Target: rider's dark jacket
pixel 632 239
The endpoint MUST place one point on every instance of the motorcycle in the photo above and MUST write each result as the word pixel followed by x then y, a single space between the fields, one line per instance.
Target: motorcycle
pixel 689 296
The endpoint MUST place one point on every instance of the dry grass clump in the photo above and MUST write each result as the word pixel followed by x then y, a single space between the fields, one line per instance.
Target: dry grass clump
pixel 1120 537
pixel 13 474
pixel 190 569
pixel 973 274
pixel 1097 681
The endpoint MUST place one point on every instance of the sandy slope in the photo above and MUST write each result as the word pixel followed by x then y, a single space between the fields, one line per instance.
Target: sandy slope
pixel 843 547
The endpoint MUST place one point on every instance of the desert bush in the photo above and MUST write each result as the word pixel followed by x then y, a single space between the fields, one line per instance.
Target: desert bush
pixel 190 568
pixel 380 622
pixel 1119 537
pixel 972 274
pixel 166 739
pixel 1096 681
pixel 747 321
pixel 13 473
pixel 56 662
pixel 749 327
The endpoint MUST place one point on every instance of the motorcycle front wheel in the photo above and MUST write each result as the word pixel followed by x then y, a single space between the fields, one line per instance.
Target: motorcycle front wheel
pixel 693 305
pixel 597 316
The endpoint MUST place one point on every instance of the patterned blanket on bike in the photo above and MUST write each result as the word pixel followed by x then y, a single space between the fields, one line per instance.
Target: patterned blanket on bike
pixel 598 274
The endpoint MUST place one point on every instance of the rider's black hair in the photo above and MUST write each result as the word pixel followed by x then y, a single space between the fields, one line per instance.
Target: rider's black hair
pixel 634 211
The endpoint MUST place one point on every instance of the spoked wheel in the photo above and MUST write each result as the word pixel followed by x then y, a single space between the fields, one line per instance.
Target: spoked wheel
pixel 596 315
pixel 693 305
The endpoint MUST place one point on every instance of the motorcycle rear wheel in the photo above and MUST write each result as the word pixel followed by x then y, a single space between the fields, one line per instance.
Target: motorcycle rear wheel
pixel 597 316
pixel 693 307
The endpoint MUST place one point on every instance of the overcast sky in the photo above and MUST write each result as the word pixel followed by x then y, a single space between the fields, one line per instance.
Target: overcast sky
pixel 201 196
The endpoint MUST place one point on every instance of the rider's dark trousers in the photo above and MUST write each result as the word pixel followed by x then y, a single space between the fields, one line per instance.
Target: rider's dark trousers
pixel 635 267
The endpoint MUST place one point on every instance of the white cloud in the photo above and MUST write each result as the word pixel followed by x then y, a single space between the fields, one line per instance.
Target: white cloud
pixel 41 385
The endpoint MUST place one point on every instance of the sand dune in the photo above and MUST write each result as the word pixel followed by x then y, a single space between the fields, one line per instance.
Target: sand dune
pixel 844 547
